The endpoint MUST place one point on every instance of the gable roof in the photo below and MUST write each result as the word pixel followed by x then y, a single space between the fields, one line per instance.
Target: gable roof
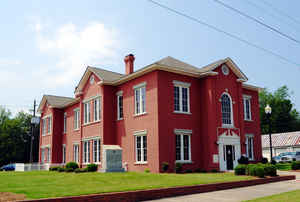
pixel 166 64
pixel 281 139
pixel 56 101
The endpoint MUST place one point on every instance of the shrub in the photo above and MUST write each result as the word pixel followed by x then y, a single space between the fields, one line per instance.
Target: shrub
pixel 69 170
pixel 77 170
pixel 295 165
pixel 273 162
pixel 147 170
pixel 214 170
pixel 270 170
pixel 72 165
pixel 60 169
pixel 165 166
pixel 259 171
pixel 92 167
pixel 188 171
pixel 53 168
pixel 264 160
pixel 250 170
pixel 198 170
pixel 240 169
pixel 243 160
pixel 178 167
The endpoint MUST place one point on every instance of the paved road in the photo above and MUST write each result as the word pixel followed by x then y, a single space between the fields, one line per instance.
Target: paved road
pixel 240 194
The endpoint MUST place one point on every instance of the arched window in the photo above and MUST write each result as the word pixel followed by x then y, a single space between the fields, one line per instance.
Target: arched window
pixel 226 108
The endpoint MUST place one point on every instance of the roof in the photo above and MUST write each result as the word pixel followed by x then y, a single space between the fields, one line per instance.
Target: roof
pixel 281 139
pixel 167 64
pixel 56 101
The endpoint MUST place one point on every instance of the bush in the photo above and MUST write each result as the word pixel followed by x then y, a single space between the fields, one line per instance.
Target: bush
pixel 214 170
pixel 199 170
pixel 92 167
pixel 240 169
pixel 54 168
pixel 264 160
pixel 165 166
pixel 147 170
pixel 60 169
pixel 188 171
pixel 77 170
pixel 295 165
pixel 250 170
pixel 69 170
pixel 243 160
pixel 259 171
pixel 270 170
pixel 72 165
pixel 178 167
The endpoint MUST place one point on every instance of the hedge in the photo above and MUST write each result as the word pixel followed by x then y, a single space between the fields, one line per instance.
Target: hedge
pixel 259 170
pixel 295 165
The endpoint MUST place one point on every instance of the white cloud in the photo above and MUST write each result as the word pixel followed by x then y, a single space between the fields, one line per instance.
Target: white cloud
pixel 75 48
pixel 6 62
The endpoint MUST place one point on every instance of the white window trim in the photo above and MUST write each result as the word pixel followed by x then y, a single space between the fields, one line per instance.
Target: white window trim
pixel 76 154
pixel 65 122
pixel 87 154
pixel 245 98
pixel 77 110
pixel 44 126
pixel 247 149
pixel 231 113
pixel 87 112
pixel 181 85
pixel 183 132
pixel 98 118
pixel 139 88
pixel 119 94
pixel 64 153
pixel 98 155
pixel 136 134
pixel 49 125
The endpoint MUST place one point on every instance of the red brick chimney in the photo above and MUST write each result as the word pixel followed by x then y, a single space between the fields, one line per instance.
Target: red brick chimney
pixel 129 61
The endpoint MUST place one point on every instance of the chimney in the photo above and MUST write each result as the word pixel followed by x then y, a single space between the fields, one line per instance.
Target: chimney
pixel 129 60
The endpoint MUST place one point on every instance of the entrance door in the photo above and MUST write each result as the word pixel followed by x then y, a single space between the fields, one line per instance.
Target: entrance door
pixel 229 157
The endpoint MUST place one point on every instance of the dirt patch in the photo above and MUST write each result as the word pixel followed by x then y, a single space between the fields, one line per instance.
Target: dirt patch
pixel 7 196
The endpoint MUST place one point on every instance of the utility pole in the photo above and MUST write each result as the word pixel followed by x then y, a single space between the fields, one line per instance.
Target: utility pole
pixel 32 131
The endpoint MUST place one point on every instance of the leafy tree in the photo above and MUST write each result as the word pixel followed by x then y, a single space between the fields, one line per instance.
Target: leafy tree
pixel 15 138
pixel 284 117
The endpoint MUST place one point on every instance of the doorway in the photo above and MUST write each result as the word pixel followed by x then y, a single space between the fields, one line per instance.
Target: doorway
pixel 229 156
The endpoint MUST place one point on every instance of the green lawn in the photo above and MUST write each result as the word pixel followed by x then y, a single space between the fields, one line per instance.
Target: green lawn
pixel 293 196
pixel 43 184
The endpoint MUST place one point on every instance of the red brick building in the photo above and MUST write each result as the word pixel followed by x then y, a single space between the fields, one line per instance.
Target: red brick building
pixel 168 111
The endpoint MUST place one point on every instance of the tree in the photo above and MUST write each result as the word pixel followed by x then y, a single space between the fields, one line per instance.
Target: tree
pixel 15 138
pixel 284 117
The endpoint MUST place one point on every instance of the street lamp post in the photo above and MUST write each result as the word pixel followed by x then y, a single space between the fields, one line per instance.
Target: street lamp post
pixel 268 111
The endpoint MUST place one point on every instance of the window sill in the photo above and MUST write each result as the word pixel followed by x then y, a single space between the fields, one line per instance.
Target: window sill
pixel 86 163
pixel 121 119
pixel 227 126
pixel 250 120
pixel 141 114
pixel 179 112
pixel 76 129
pixel 97 163
pixel 46 135
pixel 185 162
pixel 91 123
pixel 141 163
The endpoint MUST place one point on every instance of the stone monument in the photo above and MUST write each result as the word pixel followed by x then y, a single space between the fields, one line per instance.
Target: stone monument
pixel 112 159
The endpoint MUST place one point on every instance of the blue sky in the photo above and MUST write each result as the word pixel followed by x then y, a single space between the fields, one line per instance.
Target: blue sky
pixel 46 45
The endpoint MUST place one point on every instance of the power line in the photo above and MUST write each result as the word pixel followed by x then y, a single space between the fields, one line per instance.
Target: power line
pixel 257 21
pixel 226 33
pixel 281 12
pixel 272 15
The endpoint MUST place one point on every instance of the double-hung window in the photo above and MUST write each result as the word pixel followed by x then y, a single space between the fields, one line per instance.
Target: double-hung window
pixel 97 109
pixel 76 153
pixel 181 97
pixel 86 152
pixel 49 123
pixel 44 127
pixel 120 105
pixel 141 147
pixel 140 98
pixel 65 122
pixel 87 112
pixel 48 155
pixel 76 118
pixel 64 154
pixel 247 107
pixel 96 150
pixel 249 146
pixel 43 155
pixel 183 145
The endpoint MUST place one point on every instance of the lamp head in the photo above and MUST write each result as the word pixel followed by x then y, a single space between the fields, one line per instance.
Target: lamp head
pixel 268 109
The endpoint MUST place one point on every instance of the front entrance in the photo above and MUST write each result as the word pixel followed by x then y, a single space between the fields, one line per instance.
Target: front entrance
pixel 229 156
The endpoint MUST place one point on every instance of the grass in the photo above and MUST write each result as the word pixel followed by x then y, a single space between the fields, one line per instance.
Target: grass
pixel 284 166
pixel 44 184
pixel 292 196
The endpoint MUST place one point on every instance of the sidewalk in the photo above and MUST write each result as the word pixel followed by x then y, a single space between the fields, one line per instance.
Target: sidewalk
pixel 240 194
